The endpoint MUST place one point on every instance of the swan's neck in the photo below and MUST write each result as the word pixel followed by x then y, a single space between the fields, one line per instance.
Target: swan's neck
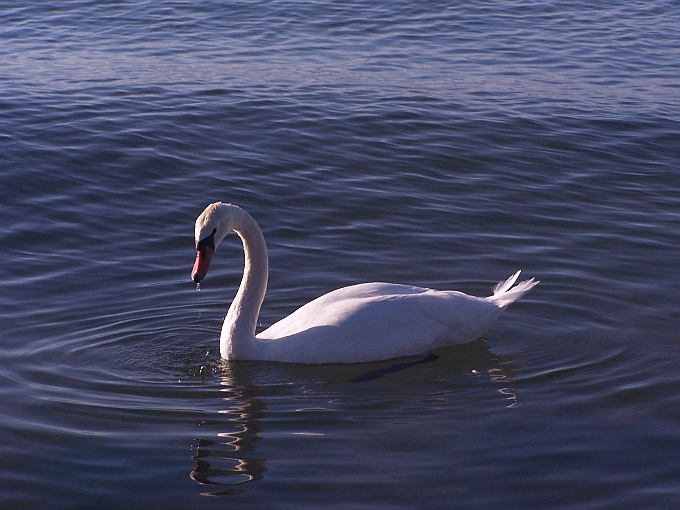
pixel 238 330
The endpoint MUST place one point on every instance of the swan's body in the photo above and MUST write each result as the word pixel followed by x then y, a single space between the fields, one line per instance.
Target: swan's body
pixel 360 323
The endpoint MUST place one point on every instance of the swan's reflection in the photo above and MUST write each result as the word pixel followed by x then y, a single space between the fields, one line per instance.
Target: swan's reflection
pixel 228 460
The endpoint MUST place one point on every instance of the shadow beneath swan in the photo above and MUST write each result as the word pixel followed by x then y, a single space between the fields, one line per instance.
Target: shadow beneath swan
pixel 471 358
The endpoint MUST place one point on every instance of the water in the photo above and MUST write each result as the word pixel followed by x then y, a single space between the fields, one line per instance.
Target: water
pixel 432 143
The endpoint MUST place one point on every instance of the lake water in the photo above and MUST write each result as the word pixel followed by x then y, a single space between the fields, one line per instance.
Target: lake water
pixel 435 143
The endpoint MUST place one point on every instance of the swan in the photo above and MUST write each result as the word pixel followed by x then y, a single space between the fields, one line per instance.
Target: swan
pixel 360 323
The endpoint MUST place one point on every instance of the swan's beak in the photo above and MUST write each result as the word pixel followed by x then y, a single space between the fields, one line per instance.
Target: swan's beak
pixel 202 263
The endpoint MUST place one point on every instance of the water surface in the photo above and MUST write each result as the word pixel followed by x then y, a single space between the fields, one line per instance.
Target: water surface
pixel 437 144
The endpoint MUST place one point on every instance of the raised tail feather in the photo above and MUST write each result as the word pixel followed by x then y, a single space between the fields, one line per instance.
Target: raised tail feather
pixel 504 293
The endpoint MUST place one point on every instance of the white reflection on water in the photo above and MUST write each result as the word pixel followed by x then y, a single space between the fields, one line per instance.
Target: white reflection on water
pixel 227 462
pixel 225 457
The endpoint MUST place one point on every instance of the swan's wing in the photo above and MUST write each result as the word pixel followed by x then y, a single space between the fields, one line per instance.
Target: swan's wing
pixel 376 321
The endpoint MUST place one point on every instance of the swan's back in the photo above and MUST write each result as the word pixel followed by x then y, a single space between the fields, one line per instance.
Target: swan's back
pixel 375 321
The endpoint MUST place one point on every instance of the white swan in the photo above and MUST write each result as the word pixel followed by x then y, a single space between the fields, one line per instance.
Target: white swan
pixel 360 323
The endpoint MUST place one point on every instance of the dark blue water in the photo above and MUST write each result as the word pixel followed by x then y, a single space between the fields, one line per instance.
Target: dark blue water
pixel 439 144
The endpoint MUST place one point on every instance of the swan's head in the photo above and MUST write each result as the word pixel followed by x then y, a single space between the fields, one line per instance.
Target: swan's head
pixel 212 226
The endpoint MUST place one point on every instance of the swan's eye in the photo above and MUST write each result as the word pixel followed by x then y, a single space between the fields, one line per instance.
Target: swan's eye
pixel 207 241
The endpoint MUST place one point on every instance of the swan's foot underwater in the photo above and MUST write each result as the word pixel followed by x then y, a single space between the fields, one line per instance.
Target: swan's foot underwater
pixel 372 375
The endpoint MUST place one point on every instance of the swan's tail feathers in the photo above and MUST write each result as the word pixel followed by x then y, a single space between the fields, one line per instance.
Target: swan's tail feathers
pixel 504 293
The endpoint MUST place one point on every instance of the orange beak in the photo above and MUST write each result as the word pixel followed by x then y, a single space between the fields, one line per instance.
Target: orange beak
pixel 203 258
